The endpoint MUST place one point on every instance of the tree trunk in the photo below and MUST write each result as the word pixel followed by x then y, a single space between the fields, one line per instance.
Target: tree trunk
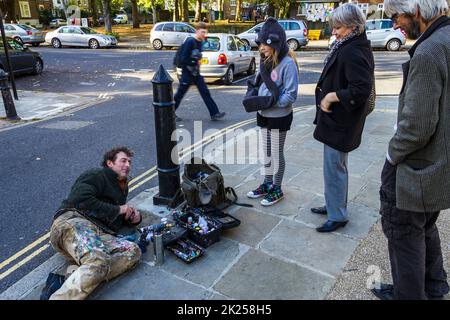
pixel 185 10
pixel 220 5
pixel 9 14
pixel 94 13
pixel 155 19
pixel 106 15
pixel 135 14
pixel 238 10
pixel 176 15
pixel 198 11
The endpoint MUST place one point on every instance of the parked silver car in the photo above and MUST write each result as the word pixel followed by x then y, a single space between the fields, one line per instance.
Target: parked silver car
pixel 224 56
pixel 170 34
pixel 80 37
pixel 296 33
pixel 381 34
pixel 23 33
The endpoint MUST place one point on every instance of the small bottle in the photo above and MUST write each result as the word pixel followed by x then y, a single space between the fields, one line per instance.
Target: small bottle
pixel 189 220
pixel 158 249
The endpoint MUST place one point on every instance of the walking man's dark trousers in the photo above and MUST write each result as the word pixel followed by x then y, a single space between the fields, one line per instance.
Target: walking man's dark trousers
pixel 414 245
pixel 185 82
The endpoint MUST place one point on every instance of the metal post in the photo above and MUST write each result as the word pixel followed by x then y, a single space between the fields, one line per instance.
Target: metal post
pixel 8 101
pixel 8 60
pixel 168 168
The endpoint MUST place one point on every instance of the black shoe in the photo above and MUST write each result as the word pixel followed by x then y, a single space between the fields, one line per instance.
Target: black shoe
pixel 218 116
pixel 319 210
pixel 330 226
pixel 53 283
pixel 178 119
pixel 386 292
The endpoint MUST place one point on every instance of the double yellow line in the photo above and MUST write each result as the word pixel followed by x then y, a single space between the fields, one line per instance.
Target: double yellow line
pixel 133 185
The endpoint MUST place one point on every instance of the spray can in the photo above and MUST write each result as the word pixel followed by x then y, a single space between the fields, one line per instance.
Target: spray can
pixel 158 249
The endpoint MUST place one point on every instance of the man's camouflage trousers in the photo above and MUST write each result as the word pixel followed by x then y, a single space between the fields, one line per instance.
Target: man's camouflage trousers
pixel 98 255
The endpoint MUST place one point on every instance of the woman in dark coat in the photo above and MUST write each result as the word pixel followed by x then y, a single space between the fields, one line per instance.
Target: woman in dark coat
pixel 342 100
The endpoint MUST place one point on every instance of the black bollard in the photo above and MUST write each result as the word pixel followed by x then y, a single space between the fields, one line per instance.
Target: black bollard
pixel 168 171
pixel 8 101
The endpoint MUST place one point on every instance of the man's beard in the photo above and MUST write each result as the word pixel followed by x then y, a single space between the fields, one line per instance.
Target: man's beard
pixel 413 30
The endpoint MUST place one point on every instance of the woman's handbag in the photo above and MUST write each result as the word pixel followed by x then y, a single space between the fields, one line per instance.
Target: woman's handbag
pixel 371 100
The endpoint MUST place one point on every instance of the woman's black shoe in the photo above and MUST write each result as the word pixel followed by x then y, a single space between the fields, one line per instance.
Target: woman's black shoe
pixel 330 226
pixel 319 210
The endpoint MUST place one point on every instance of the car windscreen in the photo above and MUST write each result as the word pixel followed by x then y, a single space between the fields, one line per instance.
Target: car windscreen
pixel 88 30
pixel 211 44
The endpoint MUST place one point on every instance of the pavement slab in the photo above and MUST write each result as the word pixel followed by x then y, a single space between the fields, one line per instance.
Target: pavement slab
pixel 258 275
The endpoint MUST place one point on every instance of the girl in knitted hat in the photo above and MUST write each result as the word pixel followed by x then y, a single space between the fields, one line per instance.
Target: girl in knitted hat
pixel 278 70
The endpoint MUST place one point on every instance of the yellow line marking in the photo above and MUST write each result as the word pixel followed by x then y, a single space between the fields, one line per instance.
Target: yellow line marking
pixel 22 262
pixel 24 250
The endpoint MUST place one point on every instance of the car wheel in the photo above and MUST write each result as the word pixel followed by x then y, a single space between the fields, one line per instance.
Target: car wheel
pixel 293 44
pixel 393 45
pixel 19 40
pixel 56 43
pixel 157 44
pixel 252 68
pixel 229 76
pixel 38 66
pixel 93 44
pixel 35 44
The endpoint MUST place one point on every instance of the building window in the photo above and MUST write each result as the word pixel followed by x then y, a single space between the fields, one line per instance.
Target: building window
pixel 232 3
pixel 25 11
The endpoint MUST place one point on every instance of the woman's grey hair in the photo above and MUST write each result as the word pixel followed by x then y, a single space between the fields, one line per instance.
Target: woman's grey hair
pixel 348 15
pixel 429 9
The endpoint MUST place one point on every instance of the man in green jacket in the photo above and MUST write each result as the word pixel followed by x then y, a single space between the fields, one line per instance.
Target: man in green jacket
pixel 86 226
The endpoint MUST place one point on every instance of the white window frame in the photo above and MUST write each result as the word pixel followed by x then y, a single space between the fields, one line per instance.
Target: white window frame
pixel 25 10
pixel 232 3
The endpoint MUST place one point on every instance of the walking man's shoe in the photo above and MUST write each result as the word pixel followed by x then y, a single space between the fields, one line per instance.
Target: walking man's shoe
pixel 331 226
pixel 218 116
pixel 53 283
pixel 385 292
pixel 178 119
pixel 319 210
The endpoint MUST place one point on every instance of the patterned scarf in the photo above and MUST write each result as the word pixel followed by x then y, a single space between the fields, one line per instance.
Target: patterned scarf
pixel 338 43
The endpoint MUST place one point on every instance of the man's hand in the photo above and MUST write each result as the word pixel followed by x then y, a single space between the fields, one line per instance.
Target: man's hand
pixel 326 102
pixel 131 214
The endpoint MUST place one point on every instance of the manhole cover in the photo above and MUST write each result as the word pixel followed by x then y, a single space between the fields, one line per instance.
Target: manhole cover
pixel 67 125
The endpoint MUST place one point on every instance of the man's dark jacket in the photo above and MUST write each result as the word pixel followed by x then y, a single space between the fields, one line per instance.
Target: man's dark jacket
pixel 186 53
pixel 96 194
pixel 349 73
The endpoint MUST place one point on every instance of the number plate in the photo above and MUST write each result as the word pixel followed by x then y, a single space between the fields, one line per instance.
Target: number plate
pixel 204 61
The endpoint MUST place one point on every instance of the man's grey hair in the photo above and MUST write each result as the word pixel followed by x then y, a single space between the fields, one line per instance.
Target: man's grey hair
pixel 348 15
pixel 429 9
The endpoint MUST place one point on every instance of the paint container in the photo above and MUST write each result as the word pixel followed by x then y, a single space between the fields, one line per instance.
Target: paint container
pixel 158 249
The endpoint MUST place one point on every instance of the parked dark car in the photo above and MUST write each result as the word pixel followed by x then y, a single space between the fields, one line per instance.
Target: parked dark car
pixel 23 60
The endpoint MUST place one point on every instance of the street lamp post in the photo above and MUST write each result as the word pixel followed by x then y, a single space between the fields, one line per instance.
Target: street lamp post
pixel 8 61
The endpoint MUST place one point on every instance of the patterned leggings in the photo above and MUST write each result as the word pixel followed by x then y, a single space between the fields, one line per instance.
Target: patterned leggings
pixel 274 162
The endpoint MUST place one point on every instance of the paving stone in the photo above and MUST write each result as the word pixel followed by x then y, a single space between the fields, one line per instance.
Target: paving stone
pixel 206 269
pixel 325 252
pixel 259 276
pixel 149 283
pixel 253 228
pixel 370 195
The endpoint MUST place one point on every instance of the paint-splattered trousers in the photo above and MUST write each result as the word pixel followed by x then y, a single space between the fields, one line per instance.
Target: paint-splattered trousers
pixel 99 255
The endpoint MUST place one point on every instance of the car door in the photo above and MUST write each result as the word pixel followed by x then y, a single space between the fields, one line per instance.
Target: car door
pixel 64 35
pixel 9 30
pixel 180 33
pixel 244 60
pixel 374 33
pixel 386 29
pixel 78 37
pixel 168 36
pixel 22 60
pixel 233 54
